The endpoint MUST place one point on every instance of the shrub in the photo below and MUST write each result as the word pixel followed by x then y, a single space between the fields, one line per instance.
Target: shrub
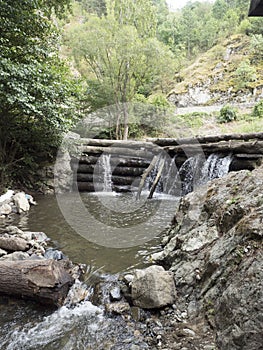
pixel 227 114
pixel 258 110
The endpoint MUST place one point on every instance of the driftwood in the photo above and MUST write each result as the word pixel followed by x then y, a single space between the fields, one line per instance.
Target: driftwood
pixel 13 243
pixel 44 280
pixel 145 175
pixel 157 178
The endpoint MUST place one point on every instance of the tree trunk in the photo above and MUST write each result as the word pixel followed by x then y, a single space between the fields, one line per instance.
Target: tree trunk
pixel 44 280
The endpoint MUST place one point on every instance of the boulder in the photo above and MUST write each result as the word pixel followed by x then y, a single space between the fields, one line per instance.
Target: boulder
pixel 153 287
pixel 5 209
pixel 21 202
pixel 12 243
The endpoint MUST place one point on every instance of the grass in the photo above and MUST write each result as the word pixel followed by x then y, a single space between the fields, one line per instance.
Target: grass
pixel 206 124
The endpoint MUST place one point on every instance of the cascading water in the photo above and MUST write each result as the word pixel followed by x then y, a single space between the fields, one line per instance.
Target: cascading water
pixel 216 166
pixel 195 172
pixel 106 171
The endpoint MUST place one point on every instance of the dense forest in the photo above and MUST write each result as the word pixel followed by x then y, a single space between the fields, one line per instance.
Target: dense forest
pixel 63 59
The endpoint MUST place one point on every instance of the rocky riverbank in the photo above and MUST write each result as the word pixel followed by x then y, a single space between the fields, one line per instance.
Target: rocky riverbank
pixel 203 290
pixel 210 294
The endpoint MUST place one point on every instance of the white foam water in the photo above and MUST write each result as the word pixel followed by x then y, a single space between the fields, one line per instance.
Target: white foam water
pixel 60 330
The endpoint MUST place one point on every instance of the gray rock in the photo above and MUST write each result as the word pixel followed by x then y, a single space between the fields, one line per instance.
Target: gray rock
pixel 128 278
pixel 13 230
pixel 6 197
pixel 21 202
pixel 153 287
pixel 2 252
pixel 5 209
pixel 115 294
pixel 54 254
pixel 39 236
pixel 15 256
pixel 215 254
pixel 13 243
pixel 117 308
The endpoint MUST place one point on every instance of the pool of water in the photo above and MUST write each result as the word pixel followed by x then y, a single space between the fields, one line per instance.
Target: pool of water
pixel 109 232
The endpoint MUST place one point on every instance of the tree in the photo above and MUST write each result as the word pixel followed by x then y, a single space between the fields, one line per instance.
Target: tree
pixel 37 95
pixel 120 58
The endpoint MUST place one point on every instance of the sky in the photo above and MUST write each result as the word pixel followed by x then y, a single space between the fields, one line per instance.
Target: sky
pixel 175 4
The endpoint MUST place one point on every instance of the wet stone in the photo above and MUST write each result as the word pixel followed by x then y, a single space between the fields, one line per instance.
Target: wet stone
pixel 115 294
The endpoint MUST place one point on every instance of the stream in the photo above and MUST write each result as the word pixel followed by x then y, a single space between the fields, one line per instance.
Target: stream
pixel 27 325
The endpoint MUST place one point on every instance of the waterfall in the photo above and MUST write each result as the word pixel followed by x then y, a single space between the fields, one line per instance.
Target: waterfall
pixel 195 171
pixel 216 166
pixel 106 171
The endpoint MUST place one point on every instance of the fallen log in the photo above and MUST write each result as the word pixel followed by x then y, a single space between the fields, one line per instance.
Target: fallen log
pixel 157 179
pixel 205 139
pixel 46 281
pixel 249 147
pixel 133 152
pixel 115 143
pixel 146 174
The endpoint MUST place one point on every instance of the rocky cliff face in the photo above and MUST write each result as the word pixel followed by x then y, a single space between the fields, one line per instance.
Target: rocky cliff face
pixel 212 78
pixel 215 252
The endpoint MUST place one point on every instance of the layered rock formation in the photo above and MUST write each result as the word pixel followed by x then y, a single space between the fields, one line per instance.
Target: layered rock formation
pixel 214 250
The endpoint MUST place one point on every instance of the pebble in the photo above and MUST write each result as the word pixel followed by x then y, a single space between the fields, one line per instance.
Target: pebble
pixel 128 278
pixel 115 294
pixel 189 332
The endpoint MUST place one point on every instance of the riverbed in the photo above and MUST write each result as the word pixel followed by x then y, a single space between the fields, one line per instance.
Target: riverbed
pixel 27 325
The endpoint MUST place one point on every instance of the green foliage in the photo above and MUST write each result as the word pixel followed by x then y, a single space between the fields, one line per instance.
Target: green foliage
pixel 258 110
pixel 245 74
pixel 119 57
pixel 227 114
pixel 256 47
pixel 37 95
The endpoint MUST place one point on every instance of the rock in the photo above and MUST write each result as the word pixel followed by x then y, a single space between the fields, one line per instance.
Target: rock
pixel 13 230
pixel 128 278
pixel 63 173
pixel 26 235
pixel 12 243
pixel 115 294
pixel 215 253
pixel 30 199
pixel 39 236
pixel 15 256
pixel 238 311
pixel 21 202
pixel 5 209
pixel 117 308
pixel 54 254
pixel 7 196
pixel 2 252
pixel 77 293
pixel 153 287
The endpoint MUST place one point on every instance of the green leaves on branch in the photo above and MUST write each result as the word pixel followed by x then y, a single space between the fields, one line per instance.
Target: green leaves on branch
pixel 119 56
pixel 37 92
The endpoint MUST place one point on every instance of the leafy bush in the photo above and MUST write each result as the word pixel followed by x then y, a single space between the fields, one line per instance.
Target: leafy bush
pixel 258 110
pixel 227 114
